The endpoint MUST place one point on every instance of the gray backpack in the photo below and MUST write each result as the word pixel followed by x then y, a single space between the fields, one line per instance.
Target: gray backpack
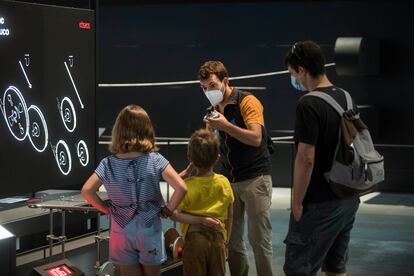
pixel 357 167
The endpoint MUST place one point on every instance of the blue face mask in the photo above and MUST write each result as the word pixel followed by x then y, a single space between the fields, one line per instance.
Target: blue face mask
pixel 296 84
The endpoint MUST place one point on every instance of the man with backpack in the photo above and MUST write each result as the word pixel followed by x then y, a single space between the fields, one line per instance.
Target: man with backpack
pixel 321 220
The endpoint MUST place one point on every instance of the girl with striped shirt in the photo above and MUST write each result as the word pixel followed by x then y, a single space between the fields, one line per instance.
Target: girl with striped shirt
pixel 131 178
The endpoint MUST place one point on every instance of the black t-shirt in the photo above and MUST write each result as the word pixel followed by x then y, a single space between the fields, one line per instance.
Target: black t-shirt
pixel 317 124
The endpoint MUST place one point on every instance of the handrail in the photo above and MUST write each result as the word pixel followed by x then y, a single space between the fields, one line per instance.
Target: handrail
pixel 64 207
pixel 183 141
pixel 62 238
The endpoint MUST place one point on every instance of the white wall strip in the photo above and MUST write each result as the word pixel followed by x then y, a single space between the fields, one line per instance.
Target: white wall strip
pixel 251 87
pixel 170 83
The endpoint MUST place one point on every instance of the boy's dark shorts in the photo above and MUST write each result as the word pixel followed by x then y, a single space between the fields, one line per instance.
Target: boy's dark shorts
pixel 320 238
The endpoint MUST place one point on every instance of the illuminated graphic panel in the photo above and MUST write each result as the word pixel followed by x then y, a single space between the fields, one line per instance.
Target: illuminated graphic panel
pixel 47 97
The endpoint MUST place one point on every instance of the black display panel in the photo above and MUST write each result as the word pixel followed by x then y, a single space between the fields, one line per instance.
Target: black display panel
pixel 47 97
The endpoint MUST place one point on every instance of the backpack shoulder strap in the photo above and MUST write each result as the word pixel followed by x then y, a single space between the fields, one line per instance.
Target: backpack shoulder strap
pixel 349 104
pixel 331 101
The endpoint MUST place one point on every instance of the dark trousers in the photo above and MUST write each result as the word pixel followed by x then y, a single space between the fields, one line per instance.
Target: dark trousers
pixel 320 238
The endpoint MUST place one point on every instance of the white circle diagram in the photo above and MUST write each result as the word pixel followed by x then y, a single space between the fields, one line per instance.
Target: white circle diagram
pixel 38 133
pixel 63 157
pixel 68 114
pixel 83 153
pixel 15 113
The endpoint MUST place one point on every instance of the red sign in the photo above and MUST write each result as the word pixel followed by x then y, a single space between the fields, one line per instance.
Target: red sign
pixel 61 270
pixel 84 25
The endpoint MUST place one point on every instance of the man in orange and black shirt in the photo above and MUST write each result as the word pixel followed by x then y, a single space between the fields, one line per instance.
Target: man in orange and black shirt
pixel 245 161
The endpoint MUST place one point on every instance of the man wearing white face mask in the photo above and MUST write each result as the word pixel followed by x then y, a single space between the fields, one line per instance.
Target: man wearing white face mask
pixel 320 222
pixel 245 161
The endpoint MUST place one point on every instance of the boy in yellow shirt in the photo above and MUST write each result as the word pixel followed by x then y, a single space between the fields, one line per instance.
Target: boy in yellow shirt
pixel 208 195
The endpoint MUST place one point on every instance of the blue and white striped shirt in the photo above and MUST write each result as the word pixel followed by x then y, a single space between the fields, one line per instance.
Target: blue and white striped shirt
pixel 133 186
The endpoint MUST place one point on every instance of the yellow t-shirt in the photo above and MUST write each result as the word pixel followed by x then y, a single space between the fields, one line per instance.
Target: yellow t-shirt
pixel 207 196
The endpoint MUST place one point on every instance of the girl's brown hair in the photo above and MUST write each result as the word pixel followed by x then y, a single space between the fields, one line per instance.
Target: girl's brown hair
pixel 203 149
pixel 132 131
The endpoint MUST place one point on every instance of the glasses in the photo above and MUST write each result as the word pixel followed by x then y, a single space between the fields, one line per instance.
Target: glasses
pixel 294 52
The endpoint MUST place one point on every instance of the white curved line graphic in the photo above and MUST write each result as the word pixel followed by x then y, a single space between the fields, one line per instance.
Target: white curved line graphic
pixel 60 158
pixel 62 115
pixel 42 118
pixel 83 153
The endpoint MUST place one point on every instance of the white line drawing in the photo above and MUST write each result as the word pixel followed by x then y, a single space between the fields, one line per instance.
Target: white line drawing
pixel 38 134
pixel 35 130
pixel 83 153
pixel 74 86
pixel 67 113
pixel 70 58
pixel 27 59
pixel 15 114
pixel 25 75
pixel 62 157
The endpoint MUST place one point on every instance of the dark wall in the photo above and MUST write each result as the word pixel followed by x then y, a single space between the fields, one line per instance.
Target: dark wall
pixel 82 4
pixel 168 42
pixel 144 42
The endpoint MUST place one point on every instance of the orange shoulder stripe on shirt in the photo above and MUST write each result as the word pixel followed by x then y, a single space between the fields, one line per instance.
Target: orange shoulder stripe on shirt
pixel 252 110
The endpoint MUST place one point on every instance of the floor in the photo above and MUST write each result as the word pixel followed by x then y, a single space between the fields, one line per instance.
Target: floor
pixel 382 241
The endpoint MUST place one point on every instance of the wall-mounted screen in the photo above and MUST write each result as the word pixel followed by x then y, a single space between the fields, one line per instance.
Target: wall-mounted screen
pixel 47 97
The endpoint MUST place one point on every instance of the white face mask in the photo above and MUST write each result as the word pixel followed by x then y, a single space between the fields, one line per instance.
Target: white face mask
pixel 214 96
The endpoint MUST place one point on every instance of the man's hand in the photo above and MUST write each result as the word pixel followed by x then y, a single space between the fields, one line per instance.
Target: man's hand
pixel 297 210
pixel 219 123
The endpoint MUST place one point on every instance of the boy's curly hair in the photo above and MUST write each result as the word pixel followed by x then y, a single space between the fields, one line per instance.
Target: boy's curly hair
pixel 203 148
